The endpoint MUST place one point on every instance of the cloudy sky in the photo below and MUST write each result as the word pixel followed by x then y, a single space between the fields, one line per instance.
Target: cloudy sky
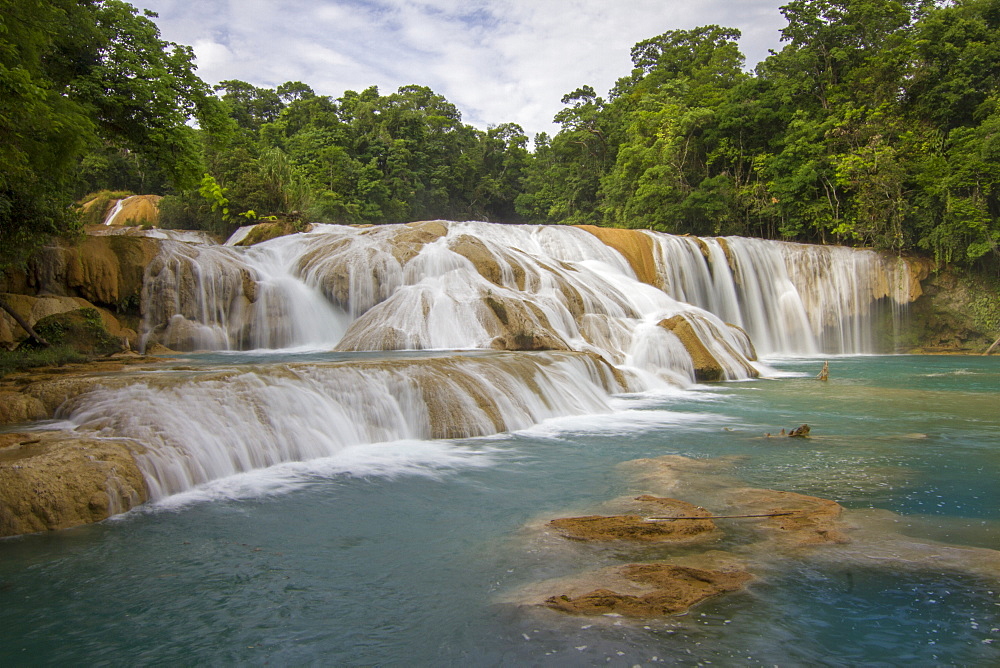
pixel 497 60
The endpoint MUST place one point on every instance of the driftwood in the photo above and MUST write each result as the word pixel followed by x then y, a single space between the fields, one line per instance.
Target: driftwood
pixel 996 344
pixel 825 373
pixel 798 432
pixel 716 517
pixel 23 323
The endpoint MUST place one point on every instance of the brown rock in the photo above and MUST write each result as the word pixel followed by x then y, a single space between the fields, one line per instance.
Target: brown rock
pixel 488 264
pixel 136 210
pixel 814 521
pixel 51 481
pixel 271 230
pixel 635 245
pixel 635 527
pixel 674 589
pixel 707 367
pixel 17 407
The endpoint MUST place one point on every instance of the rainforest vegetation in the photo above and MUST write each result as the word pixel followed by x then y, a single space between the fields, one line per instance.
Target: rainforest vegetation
pixel 877 123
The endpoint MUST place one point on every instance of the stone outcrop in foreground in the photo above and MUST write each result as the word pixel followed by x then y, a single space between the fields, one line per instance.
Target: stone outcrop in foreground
pixel 49 481
pixel 673 589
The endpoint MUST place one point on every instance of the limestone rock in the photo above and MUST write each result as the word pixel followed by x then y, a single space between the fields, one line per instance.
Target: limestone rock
pixel 673 589
pixel 635 245
pixel 134 210
pixel 104 270
pixel 636 528
pixel 18 407
pixel 487 263
pixel 706 366
pixel 50 481
pixel 814 521
pixel 82 330
pixel 520 325
pixel 270 230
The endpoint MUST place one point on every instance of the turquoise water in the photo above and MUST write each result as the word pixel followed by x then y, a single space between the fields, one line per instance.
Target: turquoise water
pixel 417 553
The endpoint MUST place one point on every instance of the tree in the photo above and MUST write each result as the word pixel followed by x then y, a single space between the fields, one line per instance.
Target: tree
pixel 74 73
pixel 251 107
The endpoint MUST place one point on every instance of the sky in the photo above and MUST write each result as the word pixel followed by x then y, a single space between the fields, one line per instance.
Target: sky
pixel 498 61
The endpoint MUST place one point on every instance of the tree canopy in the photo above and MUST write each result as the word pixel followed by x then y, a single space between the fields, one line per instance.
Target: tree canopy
pixel 80 77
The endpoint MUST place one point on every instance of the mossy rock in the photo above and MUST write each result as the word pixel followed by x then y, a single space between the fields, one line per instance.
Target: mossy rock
pixel 81 330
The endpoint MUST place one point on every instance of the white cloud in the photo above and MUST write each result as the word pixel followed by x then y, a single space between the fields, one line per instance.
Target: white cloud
pixel 496 60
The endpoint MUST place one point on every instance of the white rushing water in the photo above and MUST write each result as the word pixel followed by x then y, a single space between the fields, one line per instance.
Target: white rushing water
pixel 790 298
pixel 429 286
pixel 198 426
pixel 596 330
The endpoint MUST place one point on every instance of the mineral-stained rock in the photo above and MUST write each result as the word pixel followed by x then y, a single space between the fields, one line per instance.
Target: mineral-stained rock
pixel 49 480
pixel 635 527
pixel 814 521
pixel 135 210
pixel 635 245
pixel 673 589
pixel 104 270
pixel 270 230
pixel 82 330
pixel 707 366
pixel 17 407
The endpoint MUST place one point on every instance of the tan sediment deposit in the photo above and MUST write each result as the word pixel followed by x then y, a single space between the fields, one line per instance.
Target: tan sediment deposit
pixel 49 480
pixel 636 527
pixel 635 245
pixel 670 589
pixel 813 521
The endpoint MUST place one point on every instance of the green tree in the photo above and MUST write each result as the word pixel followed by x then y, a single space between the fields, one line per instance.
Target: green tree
pixel 74 74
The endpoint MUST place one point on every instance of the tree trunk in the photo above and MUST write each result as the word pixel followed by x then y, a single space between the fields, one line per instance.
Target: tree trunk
pixel 23 323
pixel 993 347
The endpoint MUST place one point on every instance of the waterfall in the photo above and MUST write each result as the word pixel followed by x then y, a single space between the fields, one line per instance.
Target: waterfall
pixel 552 322
pixel 198 426
pixel 790 298
pixel 209 297
pixel 438 285
pixel 115 210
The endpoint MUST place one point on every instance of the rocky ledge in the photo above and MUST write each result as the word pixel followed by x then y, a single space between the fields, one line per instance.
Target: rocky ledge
pixel 51 481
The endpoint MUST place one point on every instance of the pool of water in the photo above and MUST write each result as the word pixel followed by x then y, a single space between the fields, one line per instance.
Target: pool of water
pixel 417 552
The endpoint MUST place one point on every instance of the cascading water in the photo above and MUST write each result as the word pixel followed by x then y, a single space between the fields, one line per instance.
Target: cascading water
pixel 790 298
pixel 205 297
pixel 562 292
pixel 198 426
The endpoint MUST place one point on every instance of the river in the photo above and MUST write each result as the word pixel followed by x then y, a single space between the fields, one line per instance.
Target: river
pixel 423 551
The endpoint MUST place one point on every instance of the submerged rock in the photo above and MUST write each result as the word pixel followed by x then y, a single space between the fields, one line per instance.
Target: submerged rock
pixel 813 521
pixel 51 481
pixel 672 589
pixel 636 527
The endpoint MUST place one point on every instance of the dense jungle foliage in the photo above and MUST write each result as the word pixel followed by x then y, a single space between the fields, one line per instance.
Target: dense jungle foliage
pixel 877 123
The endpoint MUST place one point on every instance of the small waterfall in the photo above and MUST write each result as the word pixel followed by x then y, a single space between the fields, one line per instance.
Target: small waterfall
pixel 115 210
pixel 197 427
pixel 790 298
pixel 209 297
